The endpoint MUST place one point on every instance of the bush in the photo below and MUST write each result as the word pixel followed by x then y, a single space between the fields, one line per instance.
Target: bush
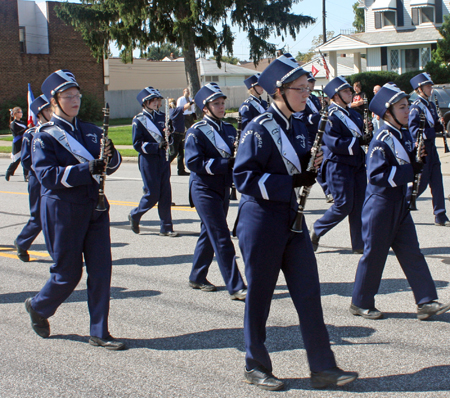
pixel 440 73
pixel 91 108
pixel 5 114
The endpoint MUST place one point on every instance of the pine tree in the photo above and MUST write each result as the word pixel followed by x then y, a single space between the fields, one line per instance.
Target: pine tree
pixel 189 25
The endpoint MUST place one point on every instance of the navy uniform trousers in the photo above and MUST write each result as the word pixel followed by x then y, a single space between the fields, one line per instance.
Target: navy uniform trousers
pixel 266 212
pixel 387 223
pixel 347 184
pixel 268 247
pixel 212 209
pixel 155 172
pixel 33 227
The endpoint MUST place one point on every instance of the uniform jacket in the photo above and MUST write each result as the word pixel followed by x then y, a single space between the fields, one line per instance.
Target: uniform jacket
pixel 311 118
pixel 26 148
pixel 248 111
pixel 259 172
pixel 340 144
pixel 177 118
pixel 143 142
pixel 207 166
pixel 388 176
pixel 414 119
pixel 61 175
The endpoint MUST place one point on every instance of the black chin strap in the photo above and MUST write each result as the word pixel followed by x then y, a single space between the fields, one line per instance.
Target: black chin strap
pixel 339 94
pixel 283 94
pixel 423 94
pixel 395 118
pixel 59 106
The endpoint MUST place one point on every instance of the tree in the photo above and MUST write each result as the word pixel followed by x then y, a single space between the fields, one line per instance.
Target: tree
pixel 304 57
pixel 358 23
pixel 157 53
pixel 228 59
pixel 441 55
pixel 190 25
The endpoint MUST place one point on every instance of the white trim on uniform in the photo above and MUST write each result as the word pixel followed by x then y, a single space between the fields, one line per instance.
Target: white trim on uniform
pixel 391 177
pixel 350 150
pixel 262 187
pixel 66 176
pixel 208 167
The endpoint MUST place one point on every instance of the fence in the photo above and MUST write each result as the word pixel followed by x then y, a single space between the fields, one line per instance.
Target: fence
pixel 123 103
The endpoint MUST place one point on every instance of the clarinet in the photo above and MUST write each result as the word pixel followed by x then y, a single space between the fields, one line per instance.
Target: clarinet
pixel 297 225
pixel 444 132
pixel 166 130
pixel 366 121
pixel 417 177
pixel 101 185
pixel 233 195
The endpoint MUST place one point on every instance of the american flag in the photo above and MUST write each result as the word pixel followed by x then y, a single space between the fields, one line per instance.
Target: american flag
pixel 325 66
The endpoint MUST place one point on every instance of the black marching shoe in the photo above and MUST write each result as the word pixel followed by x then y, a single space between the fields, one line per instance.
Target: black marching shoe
pixel 170 234
pixel 332 377
pixel 368 313
pixel 359 251
pixel 314 239
pixel 424 311
pixel 22 254
pixel 239 295
pixel 329 198
pixel 184 173
pixel 205 287
pixel 262 378
pixel 442 224
pixel 133 224
pixel 7 175
pixel 39 324
pixel 108 342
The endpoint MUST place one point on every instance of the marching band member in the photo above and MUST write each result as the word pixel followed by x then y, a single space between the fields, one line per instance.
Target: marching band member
pixel 271 161
pixel 65 155
pixel 431 174
pixel 208 154
pixel 387 222
pixel 254 105
pixel 344 165
pixel 178 135
pixel 17 129
pixel 42 109
pixel 149 140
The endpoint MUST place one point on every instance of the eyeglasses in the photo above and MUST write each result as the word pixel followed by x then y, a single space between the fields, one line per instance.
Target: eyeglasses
pixel 300 89
pixel 72 97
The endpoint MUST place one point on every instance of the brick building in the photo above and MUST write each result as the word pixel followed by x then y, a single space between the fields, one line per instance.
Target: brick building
pixel 35 43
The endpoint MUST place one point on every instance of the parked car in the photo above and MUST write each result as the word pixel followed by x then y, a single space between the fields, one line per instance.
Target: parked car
pixel 442 93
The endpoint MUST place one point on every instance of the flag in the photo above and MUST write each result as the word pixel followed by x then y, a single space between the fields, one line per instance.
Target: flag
pixel 31 122
pixel 325 66
pixel 314 71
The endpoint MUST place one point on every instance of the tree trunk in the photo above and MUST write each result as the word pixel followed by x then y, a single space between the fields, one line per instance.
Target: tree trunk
pixel 190 67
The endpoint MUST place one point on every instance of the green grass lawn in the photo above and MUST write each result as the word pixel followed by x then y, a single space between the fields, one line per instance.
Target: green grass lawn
pixel 128 153
pixel 5 149
pixel 121 135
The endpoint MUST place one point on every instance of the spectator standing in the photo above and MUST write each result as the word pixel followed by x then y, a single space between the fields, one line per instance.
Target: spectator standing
pixel 189 114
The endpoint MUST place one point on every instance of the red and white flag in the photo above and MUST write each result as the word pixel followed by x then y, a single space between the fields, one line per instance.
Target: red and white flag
pixel 325 66
pixel 314 71
pixel 32 119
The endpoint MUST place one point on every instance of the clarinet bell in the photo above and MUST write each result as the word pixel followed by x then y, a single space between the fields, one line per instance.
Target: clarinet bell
pixel 297 225
pixel 233 195
pixel 101 203
pixel 412 204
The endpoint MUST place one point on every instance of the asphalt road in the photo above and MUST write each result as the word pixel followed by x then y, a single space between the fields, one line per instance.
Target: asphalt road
pixel 186 343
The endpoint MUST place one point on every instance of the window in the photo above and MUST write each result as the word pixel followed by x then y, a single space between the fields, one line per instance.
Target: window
pixel 22 39
pixel 425 54
pixel 386 18
pixel 394 61
pixel 211 79
pixel 411 60
pixel 422 15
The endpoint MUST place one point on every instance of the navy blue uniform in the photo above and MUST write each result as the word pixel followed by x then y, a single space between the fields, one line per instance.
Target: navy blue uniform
pixel 209 192
pixel 345 174
pixel 250 108
pixel 73 229
pixel 311 117
pixel 177 118
pixel 387 222
pixel 431 173
pixel 154 168
pixel 266 212
pixel 32 228
pixel 17 130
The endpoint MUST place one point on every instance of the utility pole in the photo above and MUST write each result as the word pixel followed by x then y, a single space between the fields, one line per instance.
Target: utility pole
pixel 324 22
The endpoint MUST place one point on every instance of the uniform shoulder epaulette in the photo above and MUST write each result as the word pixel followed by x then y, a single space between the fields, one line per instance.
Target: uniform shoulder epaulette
pixel 383 135
pixel 48 124
pixel 200 123
pixel 417 102
pixel 264 117
pixel 297 115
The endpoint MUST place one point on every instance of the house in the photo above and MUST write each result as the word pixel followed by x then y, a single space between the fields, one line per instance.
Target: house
pixel 226 75
pixel 399 36
pixel 35 43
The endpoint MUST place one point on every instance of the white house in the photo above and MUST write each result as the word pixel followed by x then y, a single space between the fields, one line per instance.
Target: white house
pixel 227 75
pixel 399 35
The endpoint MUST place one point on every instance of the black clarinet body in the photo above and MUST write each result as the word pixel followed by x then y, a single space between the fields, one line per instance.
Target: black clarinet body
pixel 101 205
pixel 444 132
pixel 233 195
pixel 297 225
pixel 367 131
pixel 417 177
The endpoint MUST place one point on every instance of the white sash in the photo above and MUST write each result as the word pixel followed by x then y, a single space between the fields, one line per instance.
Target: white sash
pixel 312 106
pixel 287 151
pixel 215 139
pixel 71 145
pixel 257 105
pixel 397 148
pixel 153 130
pixel 349 123
pixel 429 116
